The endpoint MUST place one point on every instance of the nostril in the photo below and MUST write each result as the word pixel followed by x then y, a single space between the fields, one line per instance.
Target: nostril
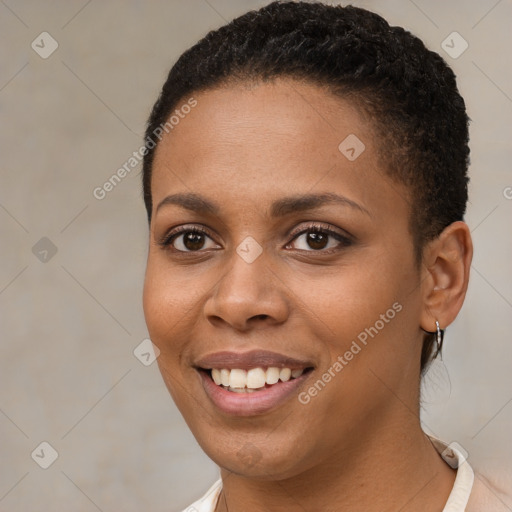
pixel 260 317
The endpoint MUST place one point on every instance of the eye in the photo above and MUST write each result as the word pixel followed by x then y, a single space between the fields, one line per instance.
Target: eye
pixel 318 238
pixel 188 239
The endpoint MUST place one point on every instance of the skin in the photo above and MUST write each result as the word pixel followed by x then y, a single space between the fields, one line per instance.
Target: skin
pixel 358 444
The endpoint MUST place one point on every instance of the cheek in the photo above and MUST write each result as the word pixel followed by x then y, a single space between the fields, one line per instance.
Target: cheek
pixel 168 309
pixel 352 297
pixel 367 315
pixel 168 304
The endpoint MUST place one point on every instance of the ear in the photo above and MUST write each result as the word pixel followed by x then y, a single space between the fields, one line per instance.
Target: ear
pixel 445 276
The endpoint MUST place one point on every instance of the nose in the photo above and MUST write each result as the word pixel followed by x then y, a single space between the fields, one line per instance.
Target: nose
pixel 248 296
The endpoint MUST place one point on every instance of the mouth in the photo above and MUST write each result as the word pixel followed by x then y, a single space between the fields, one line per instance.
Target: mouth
pixel 238 380
pixel 251 383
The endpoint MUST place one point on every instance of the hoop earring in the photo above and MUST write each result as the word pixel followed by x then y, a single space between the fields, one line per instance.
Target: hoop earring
pixel 439 340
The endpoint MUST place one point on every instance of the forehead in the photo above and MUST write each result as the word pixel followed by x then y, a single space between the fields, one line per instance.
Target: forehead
pixel 253 141
pixel 304 115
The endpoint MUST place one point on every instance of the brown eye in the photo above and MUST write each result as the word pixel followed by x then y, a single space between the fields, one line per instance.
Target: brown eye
pixel 193 241
pixel 189 240
pixel 319 239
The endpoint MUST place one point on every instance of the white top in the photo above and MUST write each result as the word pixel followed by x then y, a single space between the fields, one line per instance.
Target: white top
pixel 457 501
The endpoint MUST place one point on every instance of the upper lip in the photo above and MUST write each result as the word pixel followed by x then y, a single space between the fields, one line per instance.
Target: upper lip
pixel 251 359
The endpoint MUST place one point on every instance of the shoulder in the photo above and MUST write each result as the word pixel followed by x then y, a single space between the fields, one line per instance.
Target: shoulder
pixel 209 501
pixel 492 490
pixel 486 488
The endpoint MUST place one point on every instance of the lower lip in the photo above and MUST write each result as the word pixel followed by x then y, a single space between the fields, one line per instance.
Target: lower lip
pixel 250 404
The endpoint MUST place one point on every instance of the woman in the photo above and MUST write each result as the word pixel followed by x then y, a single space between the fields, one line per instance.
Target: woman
pixel 305 181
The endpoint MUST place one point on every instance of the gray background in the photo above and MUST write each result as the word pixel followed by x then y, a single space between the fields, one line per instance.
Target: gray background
pixel 69 324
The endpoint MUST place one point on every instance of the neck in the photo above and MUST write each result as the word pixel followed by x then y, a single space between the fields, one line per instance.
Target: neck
pixel 384 469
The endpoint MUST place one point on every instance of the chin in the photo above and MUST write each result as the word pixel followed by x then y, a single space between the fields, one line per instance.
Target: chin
pixel 257 459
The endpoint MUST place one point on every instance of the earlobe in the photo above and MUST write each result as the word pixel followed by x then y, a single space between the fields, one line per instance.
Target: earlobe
pixel 445 276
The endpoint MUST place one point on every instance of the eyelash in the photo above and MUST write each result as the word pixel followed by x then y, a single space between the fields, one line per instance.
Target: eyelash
pixel 343 240
pixel 168 239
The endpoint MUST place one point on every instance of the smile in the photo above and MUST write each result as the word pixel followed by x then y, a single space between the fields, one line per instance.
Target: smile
pixel 251 383
pixel 255 379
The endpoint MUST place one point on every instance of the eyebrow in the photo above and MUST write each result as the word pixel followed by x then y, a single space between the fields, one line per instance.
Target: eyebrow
pixel 190 201
pixel 279 208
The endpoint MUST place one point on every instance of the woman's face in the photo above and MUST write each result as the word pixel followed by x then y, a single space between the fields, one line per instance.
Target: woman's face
pixel 303 261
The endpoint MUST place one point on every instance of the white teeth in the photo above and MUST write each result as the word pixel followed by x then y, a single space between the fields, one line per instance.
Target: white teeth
pixel 255 378
pixel 241 390
pixel 224 377
pixel 285 374
pixel 237 378
pixel 216 376
pixel 272 375
pixel 240 381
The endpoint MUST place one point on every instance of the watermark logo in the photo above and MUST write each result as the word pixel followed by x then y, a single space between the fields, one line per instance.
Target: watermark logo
pixel 454 45
pixel 249 250
pixel 44 45
pixel 44 455
pixel 351 147
pixel 146 352
pixel 454 455
pixel 249 455
pixel 44 250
